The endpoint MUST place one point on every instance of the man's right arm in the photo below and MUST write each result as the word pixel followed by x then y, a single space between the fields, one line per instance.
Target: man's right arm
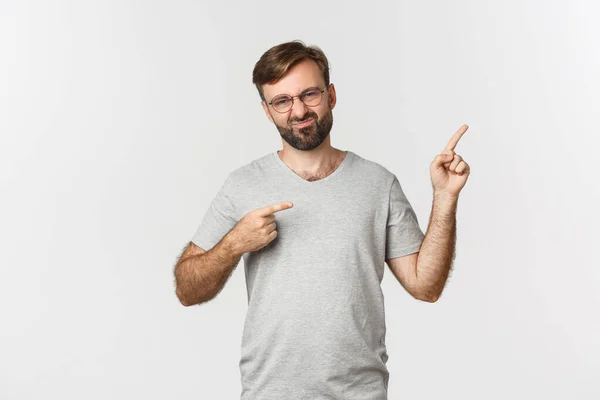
pixel 200 275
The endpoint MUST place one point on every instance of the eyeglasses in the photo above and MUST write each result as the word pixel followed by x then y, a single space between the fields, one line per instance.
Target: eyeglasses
pixel 311 97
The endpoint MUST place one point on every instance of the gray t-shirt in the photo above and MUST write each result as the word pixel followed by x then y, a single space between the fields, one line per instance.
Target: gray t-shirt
pixel 315 324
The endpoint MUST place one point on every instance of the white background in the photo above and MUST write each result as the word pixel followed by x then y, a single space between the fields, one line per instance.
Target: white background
pixel 119 121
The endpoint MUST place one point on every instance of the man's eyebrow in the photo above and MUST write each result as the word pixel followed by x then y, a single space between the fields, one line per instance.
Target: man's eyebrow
pixel 309 88
pixel 305 90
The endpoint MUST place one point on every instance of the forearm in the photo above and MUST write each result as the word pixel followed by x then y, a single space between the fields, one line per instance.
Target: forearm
pixel 438 248
pixel 199 278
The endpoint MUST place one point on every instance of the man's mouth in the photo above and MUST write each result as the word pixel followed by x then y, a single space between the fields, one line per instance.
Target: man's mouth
pixel 303 123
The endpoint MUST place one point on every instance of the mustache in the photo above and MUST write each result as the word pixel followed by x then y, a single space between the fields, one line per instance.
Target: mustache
pixel 304 118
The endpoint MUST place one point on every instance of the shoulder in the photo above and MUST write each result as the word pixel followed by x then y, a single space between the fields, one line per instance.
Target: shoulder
pixel 373 171
pixel 251 172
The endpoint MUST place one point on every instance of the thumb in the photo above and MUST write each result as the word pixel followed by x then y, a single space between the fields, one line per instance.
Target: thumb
pixel 441 159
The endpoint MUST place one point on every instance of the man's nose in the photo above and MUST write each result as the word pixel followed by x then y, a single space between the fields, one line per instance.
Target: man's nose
pixel 299 109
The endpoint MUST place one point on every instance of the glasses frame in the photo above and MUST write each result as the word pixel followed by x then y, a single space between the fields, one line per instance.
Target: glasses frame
pixel 299 98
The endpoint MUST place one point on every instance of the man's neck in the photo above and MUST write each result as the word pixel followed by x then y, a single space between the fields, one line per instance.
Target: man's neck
pixel 314 164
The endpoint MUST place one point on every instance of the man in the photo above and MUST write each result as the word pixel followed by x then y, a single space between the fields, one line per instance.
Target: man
pixel 314 225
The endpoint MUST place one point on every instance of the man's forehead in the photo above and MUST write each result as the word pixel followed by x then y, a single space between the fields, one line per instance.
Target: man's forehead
pixel 300 77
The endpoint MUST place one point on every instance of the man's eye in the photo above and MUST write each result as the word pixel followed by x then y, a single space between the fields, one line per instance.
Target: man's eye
pixel 281 102
pixel 312 93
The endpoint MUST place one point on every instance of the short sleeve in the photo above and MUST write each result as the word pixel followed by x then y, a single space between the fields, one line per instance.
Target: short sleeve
pixel 403 235
pixel 218 219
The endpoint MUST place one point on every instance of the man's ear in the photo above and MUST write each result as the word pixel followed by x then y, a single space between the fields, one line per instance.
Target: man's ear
pixel 332 96
pixel 266 109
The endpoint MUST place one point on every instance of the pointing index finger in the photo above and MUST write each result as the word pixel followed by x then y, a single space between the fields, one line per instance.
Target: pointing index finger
pixel 456 137
pixel 273 208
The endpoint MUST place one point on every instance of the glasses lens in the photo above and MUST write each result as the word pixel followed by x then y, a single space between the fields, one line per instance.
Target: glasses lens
pixel 311 97
pixel 282 103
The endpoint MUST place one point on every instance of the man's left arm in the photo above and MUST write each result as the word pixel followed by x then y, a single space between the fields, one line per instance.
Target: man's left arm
pixel 437 252
pixel 424 274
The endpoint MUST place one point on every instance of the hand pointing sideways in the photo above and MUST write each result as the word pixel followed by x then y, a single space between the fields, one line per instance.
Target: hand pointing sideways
pixel 257 228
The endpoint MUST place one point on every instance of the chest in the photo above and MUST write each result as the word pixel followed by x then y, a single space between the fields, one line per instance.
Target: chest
pixel 333 216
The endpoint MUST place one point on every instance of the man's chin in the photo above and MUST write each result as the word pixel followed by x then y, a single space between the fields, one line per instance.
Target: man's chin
pixel 305 131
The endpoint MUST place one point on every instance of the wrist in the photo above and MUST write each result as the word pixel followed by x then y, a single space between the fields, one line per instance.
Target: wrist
pixel 231 244
pixel 442 196
pixel 445 202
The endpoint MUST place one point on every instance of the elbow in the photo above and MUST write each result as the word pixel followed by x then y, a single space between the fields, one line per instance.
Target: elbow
pixel 183 299
pixel 429 299
pixel 184 295
pixel 428 296
pixel 186 300
pixel 185 303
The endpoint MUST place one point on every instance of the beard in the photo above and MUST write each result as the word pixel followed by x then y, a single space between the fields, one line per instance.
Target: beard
pixel 309 137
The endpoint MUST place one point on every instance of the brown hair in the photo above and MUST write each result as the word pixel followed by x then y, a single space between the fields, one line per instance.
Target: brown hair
pixel 278 60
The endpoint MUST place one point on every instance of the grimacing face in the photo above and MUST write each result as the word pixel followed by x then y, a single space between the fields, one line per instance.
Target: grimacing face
pixel 302 127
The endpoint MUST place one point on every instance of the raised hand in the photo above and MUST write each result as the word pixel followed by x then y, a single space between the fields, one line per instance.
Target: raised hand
pixel 256 229
pixel 449 172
